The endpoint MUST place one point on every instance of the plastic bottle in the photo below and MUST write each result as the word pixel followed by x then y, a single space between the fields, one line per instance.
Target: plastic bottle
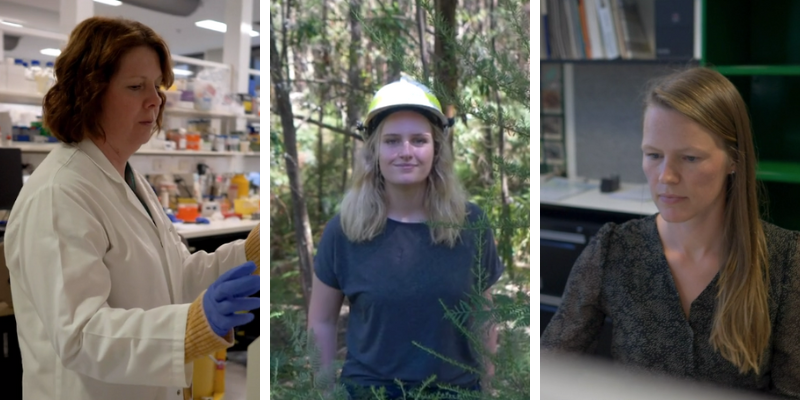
pixel 40 76
pixel 181 139
pixel 50 73
pixel 242 186
pixel 24 65
pixel 36 68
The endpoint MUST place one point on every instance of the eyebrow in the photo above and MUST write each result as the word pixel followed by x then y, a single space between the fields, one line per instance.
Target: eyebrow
pixel 681 150
pixel 158 78
pixel 412 134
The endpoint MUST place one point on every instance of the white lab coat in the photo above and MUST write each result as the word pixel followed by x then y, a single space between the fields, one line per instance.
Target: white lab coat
pixel 101 293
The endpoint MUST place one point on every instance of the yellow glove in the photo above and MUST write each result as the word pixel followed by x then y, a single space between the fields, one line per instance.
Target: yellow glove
pixel 252 248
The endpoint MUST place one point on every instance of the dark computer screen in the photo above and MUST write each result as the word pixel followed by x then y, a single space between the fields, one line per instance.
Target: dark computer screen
pixel 10 176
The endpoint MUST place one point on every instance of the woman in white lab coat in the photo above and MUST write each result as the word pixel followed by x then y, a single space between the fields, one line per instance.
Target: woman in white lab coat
pixel 109 303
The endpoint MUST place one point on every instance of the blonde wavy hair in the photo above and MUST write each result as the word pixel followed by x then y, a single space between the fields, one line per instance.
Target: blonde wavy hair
pixel 364 209
pixel 741 329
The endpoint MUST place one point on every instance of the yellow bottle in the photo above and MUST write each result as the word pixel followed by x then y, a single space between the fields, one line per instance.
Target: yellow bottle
pixel 243 186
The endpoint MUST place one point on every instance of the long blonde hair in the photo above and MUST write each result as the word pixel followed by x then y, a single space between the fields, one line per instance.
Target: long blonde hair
pixel 364 212
pixel 741 327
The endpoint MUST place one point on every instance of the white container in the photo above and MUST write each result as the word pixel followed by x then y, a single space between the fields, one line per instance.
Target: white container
pixel 16 81
pixel 233 143
pixel 173 98
pixel 3 76
pixel 219 142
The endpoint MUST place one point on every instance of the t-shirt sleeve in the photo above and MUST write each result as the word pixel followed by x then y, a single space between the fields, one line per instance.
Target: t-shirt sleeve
pixel 325 259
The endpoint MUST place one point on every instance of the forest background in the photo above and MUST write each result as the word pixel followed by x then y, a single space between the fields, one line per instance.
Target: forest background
pixel 327 59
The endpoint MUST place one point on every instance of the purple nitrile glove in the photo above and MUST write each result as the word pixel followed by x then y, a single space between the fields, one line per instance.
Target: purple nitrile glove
pixel 229 295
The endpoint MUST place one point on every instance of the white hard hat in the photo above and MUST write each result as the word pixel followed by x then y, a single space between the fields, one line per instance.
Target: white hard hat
pixel 404 94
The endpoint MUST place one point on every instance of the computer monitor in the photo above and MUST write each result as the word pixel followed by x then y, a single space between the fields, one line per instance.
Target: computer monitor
pixel 10 176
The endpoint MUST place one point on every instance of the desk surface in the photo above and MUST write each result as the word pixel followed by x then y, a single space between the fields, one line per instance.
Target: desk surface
pixel 630 199
pixel 193 231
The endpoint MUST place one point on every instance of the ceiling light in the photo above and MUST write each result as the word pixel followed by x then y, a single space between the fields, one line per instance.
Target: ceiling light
pixel 10 24
pixel 109 2
pixel 218 26
pixel 212 25
pixel 51 52
pixel 181 72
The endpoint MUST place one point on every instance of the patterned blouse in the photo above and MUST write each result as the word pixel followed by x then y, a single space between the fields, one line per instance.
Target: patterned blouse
pixel 623 275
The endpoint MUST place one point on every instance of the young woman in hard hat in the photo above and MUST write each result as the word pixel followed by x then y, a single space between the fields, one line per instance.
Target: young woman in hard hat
pixel 393 266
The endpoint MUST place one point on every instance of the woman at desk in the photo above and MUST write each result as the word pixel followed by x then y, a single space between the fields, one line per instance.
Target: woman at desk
pixel 109 303
pixel 703 289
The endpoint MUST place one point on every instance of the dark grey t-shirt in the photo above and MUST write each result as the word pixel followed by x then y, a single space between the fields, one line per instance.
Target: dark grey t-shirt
pixel 394 284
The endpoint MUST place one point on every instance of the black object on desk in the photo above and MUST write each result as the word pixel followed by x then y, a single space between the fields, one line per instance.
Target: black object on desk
pixel 608 185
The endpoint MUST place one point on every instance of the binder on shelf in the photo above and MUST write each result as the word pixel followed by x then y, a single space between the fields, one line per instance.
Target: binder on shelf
pixel 574 24
pixel 614 6
pixel 587 45
pixel 674 29
pixel 554 30
pixel 635 41
pixel 593 26
pixel 607 28
pixel 564 31
pixel 544 34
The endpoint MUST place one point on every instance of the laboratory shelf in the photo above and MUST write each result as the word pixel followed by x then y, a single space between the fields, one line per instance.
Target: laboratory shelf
pixel 188 112
pixel 35 99
pixel 47 147
pixel 10 96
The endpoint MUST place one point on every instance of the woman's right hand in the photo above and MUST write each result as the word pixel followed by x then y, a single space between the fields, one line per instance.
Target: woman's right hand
pixel 227 300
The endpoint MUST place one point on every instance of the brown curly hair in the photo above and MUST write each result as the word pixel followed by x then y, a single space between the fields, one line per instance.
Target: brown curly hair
pixel 72 107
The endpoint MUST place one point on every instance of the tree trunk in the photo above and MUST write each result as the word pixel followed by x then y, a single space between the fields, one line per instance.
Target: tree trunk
pixel 399 52
pixel 446 69
pixel 488 131
pixel 506 252
pixel 423 52
pixel 485 160
pixel 354 80
pixel 345 162
pixel 302 227
pixel 323 64
pixel 320 166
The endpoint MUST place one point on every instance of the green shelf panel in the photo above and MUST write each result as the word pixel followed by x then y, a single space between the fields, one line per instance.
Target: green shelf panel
pixel 778 171
pixel 758 69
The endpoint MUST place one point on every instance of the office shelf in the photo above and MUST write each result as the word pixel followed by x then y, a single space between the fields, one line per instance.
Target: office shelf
pixel 778 171
pixel 753 43
pixel 731 70
pixel 619 61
